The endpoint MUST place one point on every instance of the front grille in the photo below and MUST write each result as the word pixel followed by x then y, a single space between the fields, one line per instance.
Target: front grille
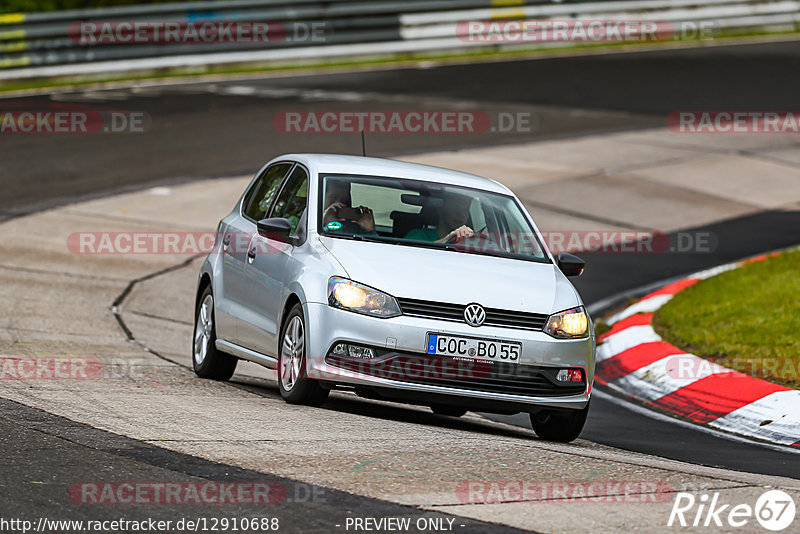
pixel 455 312
pixel 471 375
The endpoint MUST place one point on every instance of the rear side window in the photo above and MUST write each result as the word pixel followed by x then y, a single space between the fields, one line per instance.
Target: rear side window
pixel 258 200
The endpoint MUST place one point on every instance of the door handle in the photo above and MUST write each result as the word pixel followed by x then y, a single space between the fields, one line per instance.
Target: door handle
pixel 251 254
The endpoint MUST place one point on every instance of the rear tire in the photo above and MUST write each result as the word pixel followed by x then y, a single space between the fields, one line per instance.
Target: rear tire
pixel 293 381
pixel 207 361
pixel 561 428
pixel 444 409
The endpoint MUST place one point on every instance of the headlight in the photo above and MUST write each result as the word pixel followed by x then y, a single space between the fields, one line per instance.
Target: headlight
pixel 568 324
pixel 349 295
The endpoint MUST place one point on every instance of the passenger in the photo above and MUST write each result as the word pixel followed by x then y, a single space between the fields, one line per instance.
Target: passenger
pixel 337 196
pixel 452 225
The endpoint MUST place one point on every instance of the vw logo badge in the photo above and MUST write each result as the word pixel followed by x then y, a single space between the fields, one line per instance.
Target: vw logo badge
pixel 474 315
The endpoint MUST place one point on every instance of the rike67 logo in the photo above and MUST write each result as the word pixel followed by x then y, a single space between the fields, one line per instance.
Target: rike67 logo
pixel 774 510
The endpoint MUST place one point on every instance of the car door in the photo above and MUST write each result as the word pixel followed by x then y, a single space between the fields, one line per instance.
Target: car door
pixel 236 233
pixel 267 266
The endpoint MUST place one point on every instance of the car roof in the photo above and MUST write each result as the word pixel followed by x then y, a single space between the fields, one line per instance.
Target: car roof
pixel 341 164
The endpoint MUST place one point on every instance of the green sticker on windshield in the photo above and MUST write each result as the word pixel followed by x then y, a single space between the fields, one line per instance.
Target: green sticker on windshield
pixel 333 225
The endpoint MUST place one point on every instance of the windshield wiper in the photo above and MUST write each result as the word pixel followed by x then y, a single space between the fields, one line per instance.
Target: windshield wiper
pixel 395 241
pixel 409 243
pixel 426 244
pixel 370 238
pixel 502 254
pixel 360 237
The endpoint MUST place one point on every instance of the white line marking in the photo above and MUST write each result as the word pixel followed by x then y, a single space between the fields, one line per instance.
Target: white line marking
pixel 648 305
pixel 626 339
pixel 714 271
pixel 663 377
pixel 781 407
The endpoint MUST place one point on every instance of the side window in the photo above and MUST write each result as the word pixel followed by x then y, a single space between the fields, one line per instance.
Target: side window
pixel 292 201
pixel 259 198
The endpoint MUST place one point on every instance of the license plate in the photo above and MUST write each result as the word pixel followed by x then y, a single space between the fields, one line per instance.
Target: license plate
pixel 474 348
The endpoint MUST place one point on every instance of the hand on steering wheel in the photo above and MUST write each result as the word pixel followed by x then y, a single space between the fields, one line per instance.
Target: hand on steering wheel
pixel 459 234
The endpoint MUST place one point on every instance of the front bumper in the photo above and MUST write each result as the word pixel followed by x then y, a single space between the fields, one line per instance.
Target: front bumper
pixel 529 384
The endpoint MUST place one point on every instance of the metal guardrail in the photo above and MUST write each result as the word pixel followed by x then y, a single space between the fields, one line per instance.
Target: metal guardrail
pixel 50 43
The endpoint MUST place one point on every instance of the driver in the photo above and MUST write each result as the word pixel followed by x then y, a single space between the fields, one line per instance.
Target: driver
pixel 337 196
pixel 452 225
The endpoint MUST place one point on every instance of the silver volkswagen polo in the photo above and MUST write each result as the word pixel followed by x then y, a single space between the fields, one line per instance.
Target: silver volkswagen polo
pixel 399 282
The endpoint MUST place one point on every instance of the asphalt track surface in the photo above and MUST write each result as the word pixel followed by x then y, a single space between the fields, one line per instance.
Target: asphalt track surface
pixel 741 77
pixel 41 452
pixel 204 131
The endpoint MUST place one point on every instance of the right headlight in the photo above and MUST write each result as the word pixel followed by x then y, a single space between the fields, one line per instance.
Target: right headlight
pixel 349 295
pixel 568 324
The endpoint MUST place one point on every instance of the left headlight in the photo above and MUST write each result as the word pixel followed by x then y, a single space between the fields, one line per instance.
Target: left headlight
pixel 568 324
pixel 352 296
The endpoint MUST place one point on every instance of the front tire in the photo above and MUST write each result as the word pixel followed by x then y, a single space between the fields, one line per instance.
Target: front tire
pixel 207 361
pixel 561 428
pixel 293 382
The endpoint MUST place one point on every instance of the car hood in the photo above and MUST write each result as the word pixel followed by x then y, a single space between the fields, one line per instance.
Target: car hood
pixel 454 277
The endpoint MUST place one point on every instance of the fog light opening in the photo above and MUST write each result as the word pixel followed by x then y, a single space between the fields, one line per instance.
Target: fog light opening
pixel 569 375
pixel 360 352
pixel 353 351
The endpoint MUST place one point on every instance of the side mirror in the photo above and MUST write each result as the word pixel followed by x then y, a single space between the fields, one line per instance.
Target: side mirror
pixel 276 228
pixel 570 265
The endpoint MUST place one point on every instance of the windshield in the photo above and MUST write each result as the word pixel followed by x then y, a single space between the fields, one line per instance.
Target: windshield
pixel 425 214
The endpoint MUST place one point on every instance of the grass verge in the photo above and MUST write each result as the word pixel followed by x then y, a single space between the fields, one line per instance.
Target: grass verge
pixel 747 319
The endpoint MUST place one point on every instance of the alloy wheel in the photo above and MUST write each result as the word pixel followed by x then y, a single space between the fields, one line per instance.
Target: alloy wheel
pixel 292 353
pixel 203 328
